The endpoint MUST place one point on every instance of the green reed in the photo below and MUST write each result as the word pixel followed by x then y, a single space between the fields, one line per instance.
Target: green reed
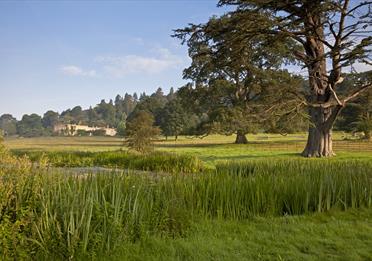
pixel 155 161
pixel 45 215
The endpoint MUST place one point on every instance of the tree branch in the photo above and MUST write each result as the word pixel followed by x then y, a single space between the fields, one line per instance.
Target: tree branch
pixel 335 95
pixel 356 93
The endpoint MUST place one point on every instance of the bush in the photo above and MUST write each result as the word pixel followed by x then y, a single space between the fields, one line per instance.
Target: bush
pixel 99 132
pixel 82 133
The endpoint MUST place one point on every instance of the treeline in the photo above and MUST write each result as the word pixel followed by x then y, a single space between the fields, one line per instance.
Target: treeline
pixel 105 114
pixel 192 111
pixel 166 109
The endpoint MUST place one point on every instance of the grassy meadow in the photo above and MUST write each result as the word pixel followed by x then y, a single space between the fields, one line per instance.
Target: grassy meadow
pixel 210 148
pixel 191 199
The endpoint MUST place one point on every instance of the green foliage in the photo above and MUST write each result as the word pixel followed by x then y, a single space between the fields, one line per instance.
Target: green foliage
pixel 364 124
pixel 107 112
pixel 238 80
pixel 121 129
pixel 152 104
pixel 249 45
pixel 356 116
pixel 82 133
pixel 50 119
pixel 173 118
pixel 30 126
pixel 103 114
pixel 140 131
pixel 99 132
pixel 8 124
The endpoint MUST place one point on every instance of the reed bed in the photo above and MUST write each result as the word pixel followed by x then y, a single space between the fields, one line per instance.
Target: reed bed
pixel 155 161
pixel 54 215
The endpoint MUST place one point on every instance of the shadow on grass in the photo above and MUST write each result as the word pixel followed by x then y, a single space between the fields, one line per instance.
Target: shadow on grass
pixel 293 155
pixel 251 143
pixel 189 145
pixel 77 145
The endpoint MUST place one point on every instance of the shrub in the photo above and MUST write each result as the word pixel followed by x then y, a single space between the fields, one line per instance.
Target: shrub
pixel 99 132
pixel 82 133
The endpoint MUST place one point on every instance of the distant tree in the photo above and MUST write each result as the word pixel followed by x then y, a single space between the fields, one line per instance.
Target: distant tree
pixel 192 124
pixel 106 112
pixel 159 93
pixel 50 119
pixel 233 78
pixel 173 118
pixel 30 126
pixel 118 100
pixel 141 131
pixel 142 96
pixel 364 124
pixel 76 112
pixel 92 116
pixel 172 94
pixel 129 103
pixel 153 104
pixel 8 124
pixel 66 117
pixel 135 97
pixel 357 115
pixel 121 129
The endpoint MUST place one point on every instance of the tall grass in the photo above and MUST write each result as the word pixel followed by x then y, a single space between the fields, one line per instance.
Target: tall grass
pixel 156 161
pixel 77 216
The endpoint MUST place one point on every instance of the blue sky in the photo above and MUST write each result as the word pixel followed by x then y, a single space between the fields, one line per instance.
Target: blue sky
pixel 58 54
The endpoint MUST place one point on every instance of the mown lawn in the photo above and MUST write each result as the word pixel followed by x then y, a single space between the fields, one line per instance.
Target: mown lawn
pixel 210 149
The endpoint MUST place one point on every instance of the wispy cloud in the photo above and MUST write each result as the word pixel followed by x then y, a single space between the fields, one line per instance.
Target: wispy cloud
pixel 120 66
pixel 73 70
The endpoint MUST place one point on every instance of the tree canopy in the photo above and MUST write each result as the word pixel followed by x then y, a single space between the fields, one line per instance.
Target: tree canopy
pixel 140 131
pixel 313 34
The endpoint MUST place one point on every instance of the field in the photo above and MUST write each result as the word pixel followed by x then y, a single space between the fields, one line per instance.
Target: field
pixel 210 148
pixel 191 199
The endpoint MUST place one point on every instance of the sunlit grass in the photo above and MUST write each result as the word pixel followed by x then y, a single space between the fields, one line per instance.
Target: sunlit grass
pixel 326 236
pixel 245 204
pixel 210 149
pixel 68 216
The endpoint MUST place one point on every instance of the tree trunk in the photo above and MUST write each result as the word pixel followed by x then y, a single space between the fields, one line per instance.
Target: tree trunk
pixel 319 142
pixel 241 138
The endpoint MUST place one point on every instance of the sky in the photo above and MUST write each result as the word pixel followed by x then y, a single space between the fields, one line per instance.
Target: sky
pixel 55 55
